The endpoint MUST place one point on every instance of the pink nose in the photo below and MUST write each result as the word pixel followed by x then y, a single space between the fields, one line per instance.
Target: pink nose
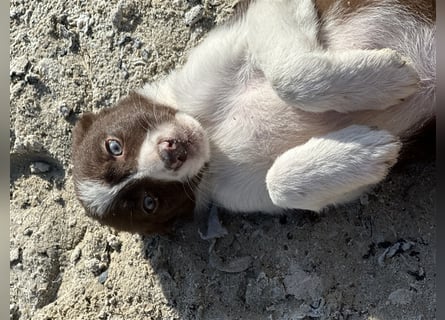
pixel 173 153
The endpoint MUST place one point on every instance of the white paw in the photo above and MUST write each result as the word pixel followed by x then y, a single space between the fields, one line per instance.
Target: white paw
pixel 326 170
pixel 401 80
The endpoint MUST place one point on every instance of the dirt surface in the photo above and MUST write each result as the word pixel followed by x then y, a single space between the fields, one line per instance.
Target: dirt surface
pixel 372 259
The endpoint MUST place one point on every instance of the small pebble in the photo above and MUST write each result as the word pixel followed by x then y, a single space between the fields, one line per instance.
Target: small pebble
pixel 146 54
pixel 137 43
pixel 194 15
pixel 27 232
pixel 109 34
pixel 125 16
pixel 401 297
pixel 65 111
pixel 75 255
pixel 72 222
pixel 32 78
pixel 39 167
pixel 95 266
pixel 123 40
pixel 103 277
pixel 19 67
pixel 14 255
pixel 397 248
pixel 84 22
pixel 114 242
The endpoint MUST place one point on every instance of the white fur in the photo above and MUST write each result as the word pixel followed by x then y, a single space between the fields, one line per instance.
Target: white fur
pixel 312 78
pixel 97 196
pixel 325 169
pixel 149 162
pixel 259 87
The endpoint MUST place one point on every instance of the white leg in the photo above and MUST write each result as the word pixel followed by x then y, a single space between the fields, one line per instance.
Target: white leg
pixel 344 81
pixel 327 170
pixel 282 38
pixel 277 25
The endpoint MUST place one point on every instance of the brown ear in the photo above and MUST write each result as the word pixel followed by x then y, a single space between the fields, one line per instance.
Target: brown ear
pixel 82 126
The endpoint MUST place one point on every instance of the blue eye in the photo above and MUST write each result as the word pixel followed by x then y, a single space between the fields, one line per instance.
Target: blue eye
pixel 149 204
pixel 114 147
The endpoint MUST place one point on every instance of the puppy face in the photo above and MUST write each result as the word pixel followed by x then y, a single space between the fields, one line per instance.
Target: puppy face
pixel 136 165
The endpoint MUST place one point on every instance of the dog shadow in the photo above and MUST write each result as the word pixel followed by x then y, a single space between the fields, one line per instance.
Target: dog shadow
pixel 301 264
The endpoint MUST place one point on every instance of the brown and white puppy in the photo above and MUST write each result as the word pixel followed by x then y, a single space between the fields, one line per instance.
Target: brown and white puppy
pixel 291 105
pixel 136 167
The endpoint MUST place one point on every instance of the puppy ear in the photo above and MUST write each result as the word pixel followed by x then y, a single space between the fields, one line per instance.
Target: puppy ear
pixel 82 126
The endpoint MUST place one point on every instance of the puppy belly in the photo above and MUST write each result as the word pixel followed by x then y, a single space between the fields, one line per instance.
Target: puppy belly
pixel 241 189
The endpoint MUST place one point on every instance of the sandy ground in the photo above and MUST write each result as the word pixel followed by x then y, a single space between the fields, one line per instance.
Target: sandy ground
pixel 372 259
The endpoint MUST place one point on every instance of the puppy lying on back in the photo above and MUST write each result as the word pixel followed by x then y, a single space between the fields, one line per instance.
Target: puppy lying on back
pixel 292 104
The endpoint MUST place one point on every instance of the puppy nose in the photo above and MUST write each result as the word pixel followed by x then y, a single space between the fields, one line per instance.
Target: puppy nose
pixel 173 153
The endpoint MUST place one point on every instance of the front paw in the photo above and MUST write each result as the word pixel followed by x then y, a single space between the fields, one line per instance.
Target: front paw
pixel 399 76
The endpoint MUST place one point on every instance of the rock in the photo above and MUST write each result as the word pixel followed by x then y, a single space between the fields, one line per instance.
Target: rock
pixel 95 266
pixel 19 66
pixel 397 248
pixel 400 297
pixel 125 16
pixel 114 242
pixel 84 22
pixel 39 167
pixel 32 78
pixel 103 277
pixel 75 255
pixel 194 15
pixel 14 255
pixel 65 111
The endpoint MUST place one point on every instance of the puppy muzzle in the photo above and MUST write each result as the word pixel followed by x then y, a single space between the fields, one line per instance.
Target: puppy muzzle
pixel 173 153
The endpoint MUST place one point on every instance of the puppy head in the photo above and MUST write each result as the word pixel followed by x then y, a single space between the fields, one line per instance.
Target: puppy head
pixel 136 165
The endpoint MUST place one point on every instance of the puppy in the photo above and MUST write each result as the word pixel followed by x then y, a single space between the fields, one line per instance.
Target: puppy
pixel 290 105
pixel 136 166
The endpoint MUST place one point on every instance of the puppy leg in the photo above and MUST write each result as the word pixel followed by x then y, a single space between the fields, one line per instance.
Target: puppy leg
pixel 274 26
pixel 330 169
pixel 344 81
pixel 282 38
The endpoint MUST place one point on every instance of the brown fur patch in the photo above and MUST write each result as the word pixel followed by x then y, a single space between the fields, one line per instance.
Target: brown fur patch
pixel 175 201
